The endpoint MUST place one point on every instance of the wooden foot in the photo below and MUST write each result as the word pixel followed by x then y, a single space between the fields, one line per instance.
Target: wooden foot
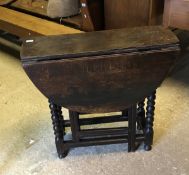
pixel 147 147
pixel 64 154
pixel 149 132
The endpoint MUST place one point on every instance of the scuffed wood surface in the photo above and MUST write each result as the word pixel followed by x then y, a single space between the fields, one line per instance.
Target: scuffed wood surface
pixel 95 43
pixel 100 71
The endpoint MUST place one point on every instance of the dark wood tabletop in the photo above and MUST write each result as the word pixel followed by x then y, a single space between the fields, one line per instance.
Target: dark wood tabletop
pixel 96 43
pixel 100 71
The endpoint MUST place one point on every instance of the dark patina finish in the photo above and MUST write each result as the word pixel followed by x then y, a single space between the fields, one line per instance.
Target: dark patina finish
pixel 113 70
pixel 100 71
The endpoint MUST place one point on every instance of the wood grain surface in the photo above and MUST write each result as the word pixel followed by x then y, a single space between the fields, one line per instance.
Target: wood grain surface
pixel 24 25
pixel 110 73
pixel 97 43
pixel 132 13
pixel 176 14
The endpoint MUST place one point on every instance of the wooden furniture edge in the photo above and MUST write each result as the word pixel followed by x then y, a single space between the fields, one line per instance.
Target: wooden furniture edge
pixel 24 25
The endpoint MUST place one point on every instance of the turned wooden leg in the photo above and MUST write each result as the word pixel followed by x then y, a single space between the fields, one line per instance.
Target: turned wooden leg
pixel 141 116
pixel 149 132
pixel 57 121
